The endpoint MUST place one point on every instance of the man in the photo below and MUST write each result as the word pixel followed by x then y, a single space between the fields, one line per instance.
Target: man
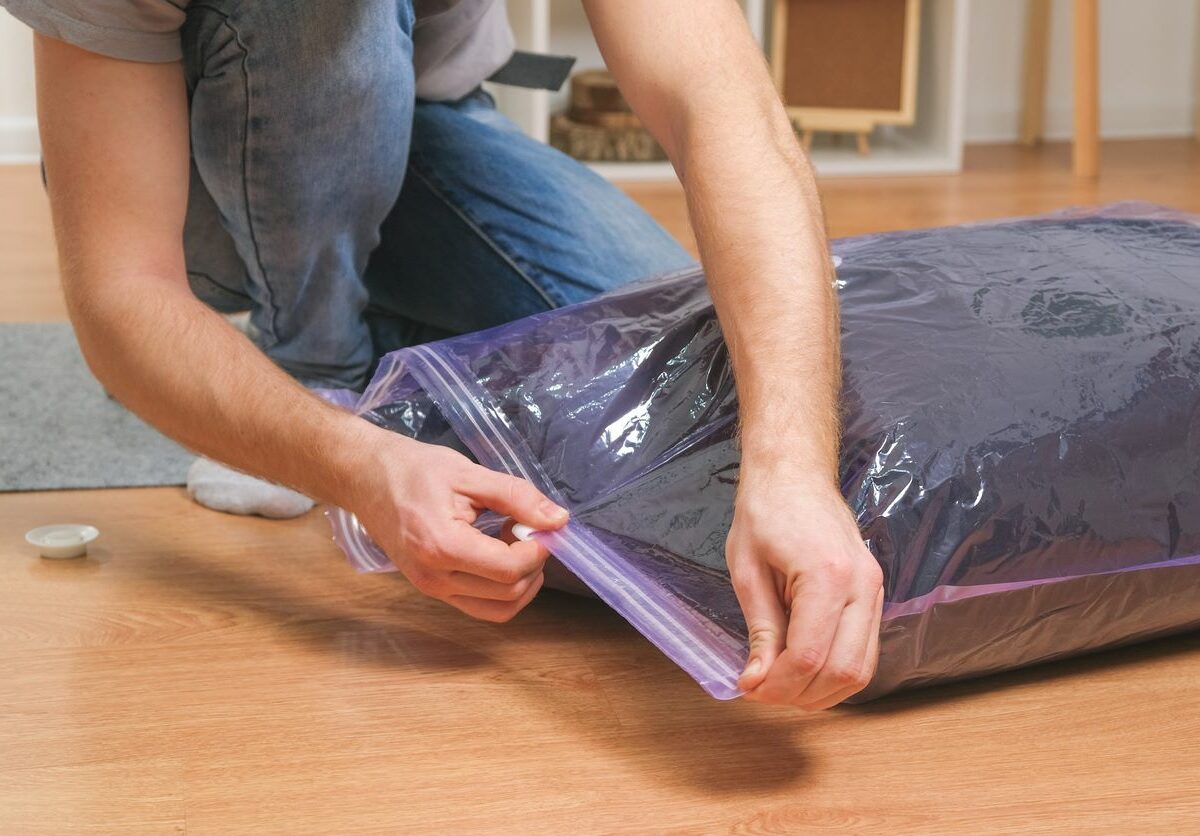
pixel 349 184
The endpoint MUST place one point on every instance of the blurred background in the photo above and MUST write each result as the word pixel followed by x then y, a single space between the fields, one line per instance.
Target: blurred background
pixel 972 64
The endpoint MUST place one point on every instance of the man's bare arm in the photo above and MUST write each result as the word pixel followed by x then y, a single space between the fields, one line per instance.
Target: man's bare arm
pixel 810 590
pixel 115 139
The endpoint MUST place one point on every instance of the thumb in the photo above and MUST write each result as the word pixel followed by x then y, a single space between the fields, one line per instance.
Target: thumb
pixel 515 498
pixel 766 620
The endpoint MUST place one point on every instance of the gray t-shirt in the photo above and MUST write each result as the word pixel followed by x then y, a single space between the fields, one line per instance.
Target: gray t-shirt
pixel 456 43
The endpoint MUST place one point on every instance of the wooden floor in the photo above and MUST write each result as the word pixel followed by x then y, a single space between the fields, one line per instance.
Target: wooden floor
pixel 213 674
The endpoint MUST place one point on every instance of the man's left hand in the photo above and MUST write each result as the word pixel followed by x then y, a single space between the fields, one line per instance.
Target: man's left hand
pixel 811 592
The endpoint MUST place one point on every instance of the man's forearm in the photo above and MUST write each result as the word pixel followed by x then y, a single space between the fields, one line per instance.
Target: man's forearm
pixel 184 369
pixel 758 222
pixel 696 77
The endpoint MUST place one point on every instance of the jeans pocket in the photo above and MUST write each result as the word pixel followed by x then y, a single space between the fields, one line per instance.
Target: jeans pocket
pixel 217 296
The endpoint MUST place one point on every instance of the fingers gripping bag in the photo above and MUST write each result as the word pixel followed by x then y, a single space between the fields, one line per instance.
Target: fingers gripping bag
pixel 1021 442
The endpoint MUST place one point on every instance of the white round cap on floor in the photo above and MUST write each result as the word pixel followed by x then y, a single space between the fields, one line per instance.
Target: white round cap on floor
pixel 62 541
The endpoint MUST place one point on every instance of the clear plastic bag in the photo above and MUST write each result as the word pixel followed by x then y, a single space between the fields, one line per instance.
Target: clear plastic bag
pixel 1021 442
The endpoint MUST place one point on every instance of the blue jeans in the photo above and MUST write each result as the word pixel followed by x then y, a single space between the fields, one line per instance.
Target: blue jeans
pixel 352 219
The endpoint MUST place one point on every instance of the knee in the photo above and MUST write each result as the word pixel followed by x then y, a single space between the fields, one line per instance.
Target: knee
pixel 324 59
pixel 314 102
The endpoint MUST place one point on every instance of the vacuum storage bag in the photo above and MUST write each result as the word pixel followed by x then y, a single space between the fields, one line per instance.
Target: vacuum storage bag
pixel 1021 441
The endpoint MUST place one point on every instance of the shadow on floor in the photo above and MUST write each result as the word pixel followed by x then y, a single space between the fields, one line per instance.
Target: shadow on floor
pixel 1123 657
pixel 665 725
pixel 676 733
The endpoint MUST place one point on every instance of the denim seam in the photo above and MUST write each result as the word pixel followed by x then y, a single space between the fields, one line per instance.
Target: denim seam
pixel 219 285
pixel 441 192
pixel 270 293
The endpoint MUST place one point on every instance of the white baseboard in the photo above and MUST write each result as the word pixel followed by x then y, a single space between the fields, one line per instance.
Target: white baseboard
pixel 19 140
pixel 1115 123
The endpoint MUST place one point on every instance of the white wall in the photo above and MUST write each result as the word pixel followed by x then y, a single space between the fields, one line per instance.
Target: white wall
pixel 1148 50
pixel 18 126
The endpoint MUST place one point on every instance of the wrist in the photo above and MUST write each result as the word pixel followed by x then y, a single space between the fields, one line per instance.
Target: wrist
pixel 808 497
pixel 354 460
pixel 791 432
pixel 794 468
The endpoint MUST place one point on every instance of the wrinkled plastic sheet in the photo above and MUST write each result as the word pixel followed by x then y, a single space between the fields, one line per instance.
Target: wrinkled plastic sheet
pixel 1021 444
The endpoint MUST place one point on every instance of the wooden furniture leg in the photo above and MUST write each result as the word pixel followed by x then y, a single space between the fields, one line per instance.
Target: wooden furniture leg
pixel 1196 62
pixel 779 18
pixel 1086 27
pixel 1033 77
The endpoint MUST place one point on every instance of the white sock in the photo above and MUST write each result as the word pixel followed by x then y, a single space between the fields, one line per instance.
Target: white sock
pixel 222 488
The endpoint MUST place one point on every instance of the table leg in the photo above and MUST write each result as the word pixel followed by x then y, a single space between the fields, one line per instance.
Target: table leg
pixel 1086 26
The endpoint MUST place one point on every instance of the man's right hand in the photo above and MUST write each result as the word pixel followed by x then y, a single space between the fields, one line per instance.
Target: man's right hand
pixel 418 505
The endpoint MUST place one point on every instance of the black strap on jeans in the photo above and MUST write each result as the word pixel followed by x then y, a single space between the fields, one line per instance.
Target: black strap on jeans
pixel 534 70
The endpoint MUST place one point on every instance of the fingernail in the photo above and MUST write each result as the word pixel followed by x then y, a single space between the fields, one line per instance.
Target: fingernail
pixel 754 668
pixel 553 511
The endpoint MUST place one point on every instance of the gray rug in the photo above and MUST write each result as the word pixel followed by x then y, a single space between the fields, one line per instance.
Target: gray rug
pixel 58 428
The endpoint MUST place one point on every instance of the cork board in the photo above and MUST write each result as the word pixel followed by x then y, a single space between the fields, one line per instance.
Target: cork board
pixel 846 54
